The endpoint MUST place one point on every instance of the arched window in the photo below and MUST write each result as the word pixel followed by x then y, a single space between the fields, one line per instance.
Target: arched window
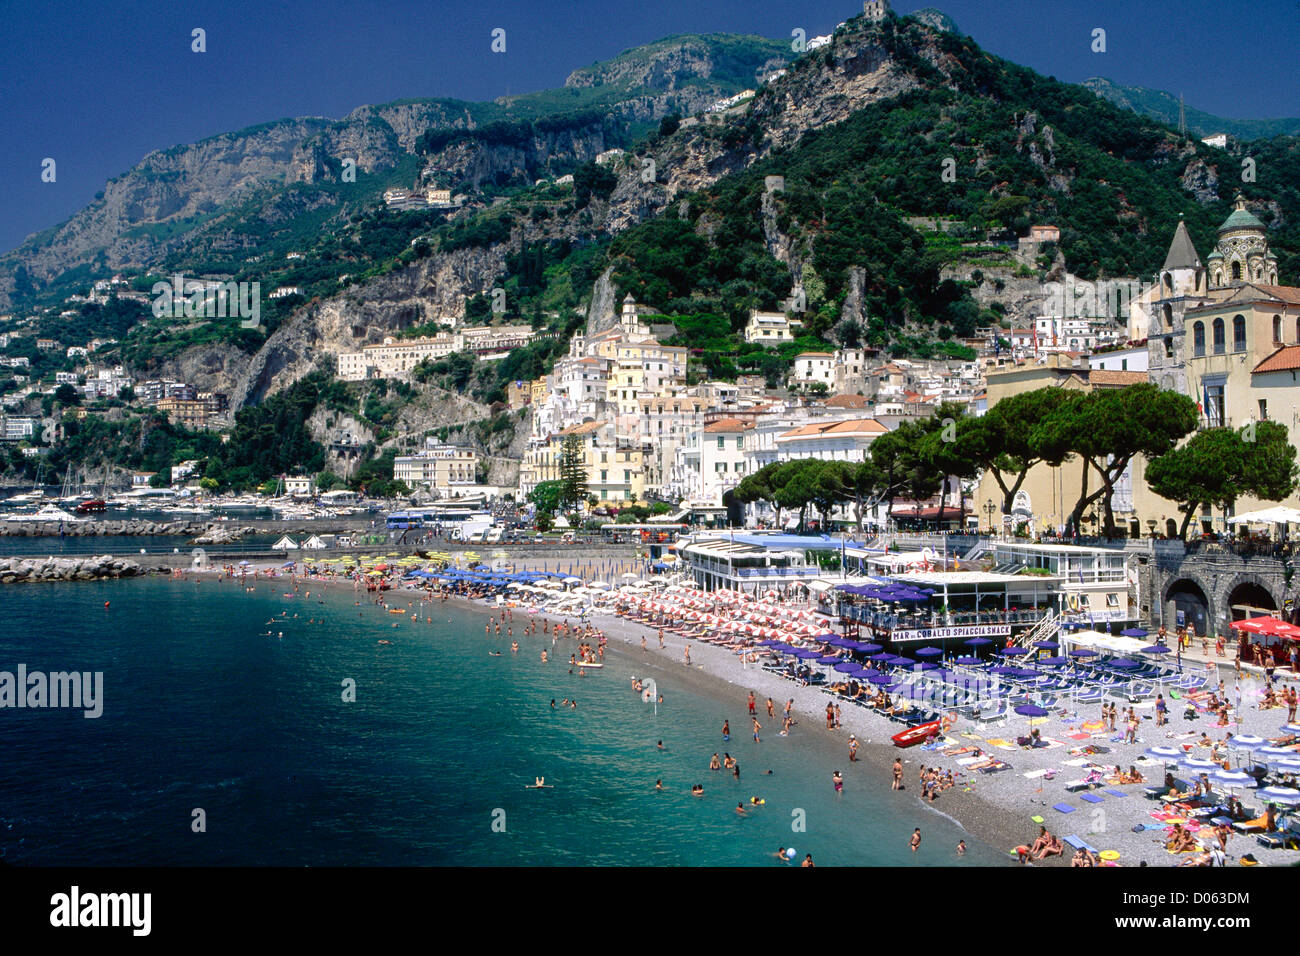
pixel 1218 337
pixel 1239 333
pixel 1169 316
pixel 1277 330
pixel 1198 338
pixel 1169 284
pixel 1236 271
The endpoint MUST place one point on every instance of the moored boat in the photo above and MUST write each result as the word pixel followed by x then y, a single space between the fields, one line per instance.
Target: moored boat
pixel 915 735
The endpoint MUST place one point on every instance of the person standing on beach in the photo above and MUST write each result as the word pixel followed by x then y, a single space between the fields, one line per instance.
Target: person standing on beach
pixel 837 716
pixel 915 842
pixel 686 651
pixel 752 711
pixel 898 773
pixel 661 638
pixel 643 647
pixel 853 749
pixel 830 717
pixel 771 711
pixel 757 728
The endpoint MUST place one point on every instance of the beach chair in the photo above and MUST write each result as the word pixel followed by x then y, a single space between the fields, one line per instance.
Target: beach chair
pixel 1079 843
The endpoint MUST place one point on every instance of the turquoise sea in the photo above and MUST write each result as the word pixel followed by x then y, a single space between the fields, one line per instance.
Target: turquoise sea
pixel 427 766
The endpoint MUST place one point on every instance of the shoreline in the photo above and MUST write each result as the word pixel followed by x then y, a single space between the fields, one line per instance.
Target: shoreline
pixel 996 809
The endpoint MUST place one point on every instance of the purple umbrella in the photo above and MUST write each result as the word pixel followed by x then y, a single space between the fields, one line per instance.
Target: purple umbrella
pixel 977 642
pixel 1133 632
pixel 870 648
pixel 1155 649
pixel 1030 710
pixel 1083 652
pixel 968 660
pixel 1053 661
pixel 1125 663
pixel 881 657
pixel 929 652
pixel 925 666
pixel 879 677
pixel 847 667
pixel 1013 651
pixel 1047 645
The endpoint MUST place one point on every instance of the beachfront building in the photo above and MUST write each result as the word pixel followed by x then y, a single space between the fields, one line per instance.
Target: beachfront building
pixel 753 563
pixel 616 467
pixel 1096 585
pixel 847 440
pixel 443 469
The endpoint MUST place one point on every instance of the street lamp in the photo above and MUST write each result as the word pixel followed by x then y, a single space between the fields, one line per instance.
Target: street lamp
pixel 989 508
pixel 1151 526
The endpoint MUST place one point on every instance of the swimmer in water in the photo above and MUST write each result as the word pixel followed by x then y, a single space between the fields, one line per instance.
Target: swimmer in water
pixel 838 780
pixel 659 784
pixel 697 790
pixel 740 810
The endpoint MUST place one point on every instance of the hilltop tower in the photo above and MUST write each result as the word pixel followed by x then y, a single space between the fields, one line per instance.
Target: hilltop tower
pixel 1242 254
pixel 875 10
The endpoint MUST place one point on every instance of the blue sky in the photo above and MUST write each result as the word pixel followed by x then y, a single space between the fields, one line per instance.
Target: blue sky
pixel 97 86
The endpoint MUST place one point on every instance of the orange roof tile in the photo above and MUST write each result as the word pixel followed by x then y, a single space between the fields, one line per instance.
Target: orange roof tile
pixel 851 427
pixel 1284 359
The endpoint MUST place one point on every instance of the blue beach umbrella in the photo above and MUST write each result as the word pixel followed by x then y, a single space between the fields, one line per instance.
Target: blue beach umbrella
pixel 870 648
pixel 879 677
pixel 881 657
pixel 1133 632
pixel 1031 710
pixel 1233 778
pixel 977 642
pixel 847 667
pixel 925 666
pixel 1053 661
pixel 1083 652
pixel 1246 742
pixel 1046 645
pixel 829 659
pixel 1285 795
pixel 1125 663
pixel 930 652
pixel 968 660
pixel 1197 764
pixel 1167 754
pixel 1155 649
pixel 1013 651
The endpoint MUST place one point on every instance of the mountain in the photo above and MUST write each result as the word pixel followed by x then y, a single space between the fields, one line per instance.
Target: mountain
pixel 891 125
pixel 231 192
pixel 1164 107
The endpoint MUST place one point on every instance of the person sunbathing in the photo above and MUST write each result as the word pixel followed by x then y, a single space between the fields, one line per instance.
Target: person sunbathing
pixel 1053 847
pixel 1135 775
pixel 1040 842
pixel 1180 841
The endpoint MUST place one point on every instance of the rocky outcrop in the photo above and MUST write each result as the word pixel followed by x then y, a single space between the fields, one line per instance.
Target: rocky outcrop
pixel 28 570
pixel 221 534
pixel 1202 180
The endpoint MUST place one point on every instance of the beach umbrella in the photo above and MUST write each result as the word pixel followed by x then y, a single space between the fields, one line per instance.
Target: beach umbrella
pixel 1290 728
pixel 1013 651
pixel 1155 649
pixel 1125 663
pixel 1275 752
pixel 1287 764
pixel 977 642
pixel 829 659
pixel 881 657
pixel 930 652
pixel 879 677
pixel 925 666
pixel 1232 779
pixel 870 648
pixel 1286 795
pixel 804 654
pixel 847 667
pixel 1047 645
pixel 968 660
pixel 1083 652
pixel 1167 754
pixel 1188 762
pixel 1031 710
pixel 1133 632
pixel 1246 742
pixel 1053 661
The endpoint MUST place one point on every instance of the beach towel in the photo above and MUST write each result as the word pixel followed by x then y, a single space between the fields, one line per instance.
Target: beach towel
pixel 1078 736
pixel 1113 792
pixel 1036 819
pixel 1031 774
pixel 1063 808
pixel 1090 797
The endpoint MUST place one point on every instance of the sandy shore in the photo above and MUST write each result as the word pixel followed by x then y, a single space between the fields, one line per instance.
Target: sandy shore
pixel 997 808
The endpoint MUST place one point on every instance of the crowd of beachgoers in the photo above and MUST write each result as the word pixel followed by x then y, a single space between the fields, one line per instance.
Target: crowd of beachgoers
pixel 1065 757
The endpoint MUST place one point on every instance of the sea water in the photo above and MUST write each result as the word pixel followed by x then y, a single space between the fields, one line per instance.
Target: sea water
pixel 221 745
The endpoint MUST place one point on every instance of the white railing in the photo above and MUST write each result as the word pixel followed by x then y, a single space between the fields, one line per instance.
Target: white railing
pixel 1045 630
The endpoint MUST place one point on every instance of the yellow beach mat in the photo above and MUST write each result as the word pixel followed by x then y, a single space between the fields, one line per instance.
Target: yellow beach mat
pixel 1109 854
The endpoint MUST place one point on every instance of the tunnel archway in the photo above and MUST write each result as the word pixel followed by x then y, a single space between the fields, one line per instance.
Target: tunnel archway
pixel 1249 599
pixel 1191 606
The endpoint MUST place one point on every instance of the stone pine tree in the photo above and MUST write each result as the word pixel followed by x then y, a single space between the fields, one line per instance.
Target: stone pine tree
pixel 573 473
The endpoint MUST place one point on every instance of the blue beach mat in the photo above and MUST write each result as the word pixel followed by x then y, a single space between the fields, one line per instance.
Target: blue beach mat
pixel 1090 797
pixel 1063 808
pixel 1114 793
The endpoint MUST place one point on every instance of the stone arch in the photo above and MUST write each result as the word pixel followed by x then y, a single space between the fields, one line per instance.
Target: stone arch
pixel 1171 528
pixel 1247 596
pixel 1189 598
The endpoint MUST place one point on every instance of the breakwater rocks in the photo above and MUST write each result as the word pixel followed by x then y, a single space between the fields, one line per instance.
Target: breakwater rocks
pixel 132 528
pixel 94 568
